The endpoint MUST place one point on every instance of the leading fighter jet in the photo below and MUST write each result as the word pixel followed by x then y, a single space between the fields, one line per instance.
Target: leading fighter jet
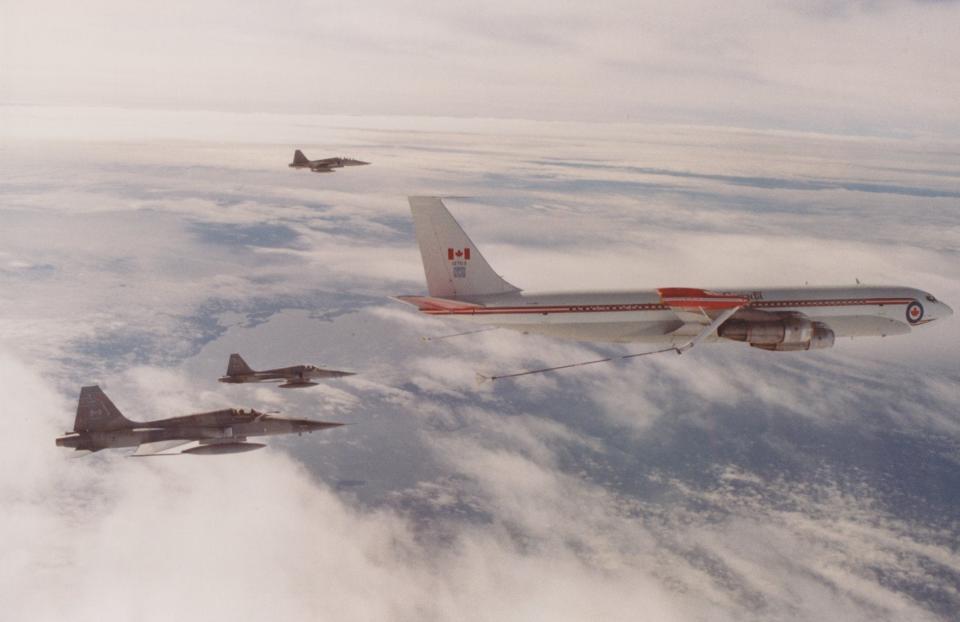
pixel 295 377
pixel 325 165
pixel 461 284
pixel 100 425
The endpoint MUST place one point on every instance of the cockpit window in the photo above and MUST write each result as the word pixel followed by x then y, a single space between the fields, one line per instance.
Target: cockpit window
pixel 931 298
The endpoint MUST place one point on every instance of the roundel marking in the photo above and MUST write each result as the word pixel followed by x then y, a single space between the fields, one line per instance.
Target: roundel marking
pixel 914 312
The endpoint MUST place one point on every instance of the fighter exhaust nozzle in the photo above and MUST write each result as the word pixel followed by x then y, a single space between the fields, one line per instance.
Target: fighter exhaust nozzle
pixel 72 441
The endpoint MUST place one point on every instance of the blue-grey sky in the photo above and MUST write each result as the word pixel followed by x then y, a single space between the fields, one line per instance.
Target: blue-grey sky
pixel 879 67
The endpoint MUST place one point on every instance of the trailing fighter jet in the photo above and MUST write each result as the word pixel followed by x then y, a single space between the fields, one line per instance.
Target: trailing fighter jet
pixel 295 377
pixel 100 425
pixel 325 165
pixel 461 284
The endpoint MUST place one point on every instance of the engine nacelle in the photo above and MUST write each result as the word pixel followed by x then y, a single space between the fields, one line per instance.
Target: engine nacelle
pixel 786 335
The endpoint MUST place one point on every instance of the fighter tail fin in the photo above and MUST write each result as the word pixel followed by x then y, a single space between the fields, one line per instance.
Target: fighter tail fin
pixel 299 158
pixel 451 261
pixel 96 413
pixel 237 366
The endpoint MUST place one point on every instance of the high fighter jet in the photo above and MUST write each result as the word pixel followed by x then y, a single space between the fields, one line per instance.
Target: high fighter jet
pixel 461 284
pixel 325 165
pixel 100 425
pixel 295 377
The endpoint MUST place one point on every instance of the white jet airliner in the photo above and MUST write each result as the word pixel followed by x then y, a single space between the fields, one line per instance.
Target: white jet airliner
pixel 463 285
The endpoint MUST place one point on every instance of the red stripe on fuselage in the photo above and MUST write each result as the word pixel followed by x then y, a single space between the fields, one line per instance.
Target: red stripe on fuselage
pixel 692 298
pixel 633 307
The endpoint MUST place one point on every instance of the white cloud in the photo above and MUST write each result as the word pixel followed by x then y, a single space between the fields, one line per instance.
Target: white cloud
pixel 724 484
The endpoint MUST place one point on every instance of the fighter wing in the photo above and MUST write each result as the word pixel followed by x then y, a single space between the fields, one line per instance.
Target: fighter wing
pixel 162 448
pixel 266 378
pixel 323 166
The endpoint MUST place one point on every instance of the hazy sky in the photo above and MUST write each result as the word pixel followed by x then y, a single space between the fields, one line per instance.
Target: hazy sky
pixel 874 66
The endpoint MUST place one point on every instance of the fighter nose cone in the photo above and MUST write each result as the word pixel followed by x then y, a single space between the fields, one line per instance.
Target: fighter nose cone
pixel 334 373
pixel 319 425
pixel 946 311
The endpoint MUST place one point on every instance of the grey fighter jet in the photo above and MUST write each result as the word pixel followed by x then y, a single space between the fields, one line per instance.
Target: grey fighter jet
pixel 325 165
pixel 294 377
pixel 100 425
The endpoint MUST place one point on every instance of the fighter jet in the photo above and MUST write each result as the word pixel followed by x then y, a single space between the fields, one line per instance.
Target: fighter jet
pixel 100 425
pixel 461 284
pixel 295 377
pixel 322 166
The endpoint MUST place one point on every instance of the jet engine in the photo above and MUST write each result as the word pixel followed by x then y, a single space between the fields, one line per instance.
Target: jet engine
pixel 783 335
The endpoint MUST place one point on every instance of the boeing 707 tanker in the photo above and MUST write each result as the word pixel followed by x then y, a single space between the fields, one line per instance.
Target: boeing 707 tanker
pixel 461 284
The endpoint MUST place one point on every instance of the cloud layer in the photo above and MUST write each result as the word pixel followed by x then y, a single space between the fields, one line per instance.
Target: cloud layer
pixel 725 484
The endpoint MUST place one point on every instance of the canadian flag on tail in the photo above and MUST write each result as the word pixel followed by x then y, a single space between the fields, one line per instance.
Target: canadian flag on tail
pixel 460 253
